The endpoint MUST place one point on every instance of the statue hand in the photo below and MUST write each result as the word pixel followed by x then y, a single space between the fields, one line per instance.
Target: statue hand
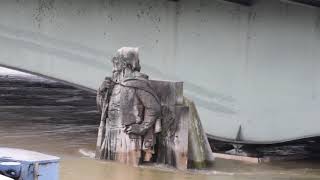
pixel 134 129
pixel 106 84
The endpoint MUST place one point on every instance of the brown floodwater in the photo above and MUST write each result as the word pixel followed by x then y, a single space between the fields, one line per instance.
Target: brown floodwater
pixel 49 117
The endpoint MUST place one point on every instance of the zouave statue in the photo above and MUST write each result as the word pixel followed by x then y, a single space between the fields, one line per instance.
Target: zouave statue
pixel 147 121
pixel 130 109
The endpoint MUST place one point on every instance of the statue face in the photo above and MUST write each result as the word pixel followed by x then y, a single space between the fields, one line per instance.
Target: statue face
pixel 125 59
pixel 117 65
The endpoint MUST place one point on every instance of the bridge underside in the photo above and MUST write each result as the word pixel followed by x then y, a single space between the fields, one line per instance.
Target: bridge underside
pixel 253 71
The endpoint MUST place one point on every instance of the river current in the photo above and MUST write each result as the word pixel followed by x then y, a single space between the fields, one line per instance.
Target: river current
pixel 50 117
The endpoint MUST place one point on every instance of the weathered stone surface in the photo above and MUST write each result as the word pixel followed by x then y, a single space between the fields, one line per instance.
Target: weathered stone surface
pixel 199 150
pixel 170 93
pixel 172 140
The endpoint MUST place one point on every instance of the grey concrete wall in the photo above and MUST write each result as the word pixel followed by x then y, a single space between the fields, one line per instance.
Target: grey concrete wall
pixel 254 67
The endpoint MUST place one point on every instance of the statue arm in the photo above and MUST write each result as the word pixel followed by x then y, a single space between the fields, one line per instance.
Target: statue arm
pixel 152 111
pixel 99 100
pixel 102 93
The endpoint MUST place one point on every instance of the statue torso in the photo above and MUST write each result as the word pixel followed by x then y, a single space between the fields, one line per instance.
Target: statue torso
pixel 125 106
pixel 114 109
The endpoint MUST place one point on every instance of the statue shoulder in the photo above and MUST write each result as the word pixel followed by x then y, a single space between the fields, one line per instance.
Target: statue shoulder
pixel 142 76
pixel 136 83
pixel 141 84
pixel 139 80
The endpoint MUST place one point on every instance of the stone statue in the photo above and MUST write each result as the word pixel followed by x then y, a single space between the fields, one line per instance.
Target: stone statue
pixel 130 109
pixel 144 120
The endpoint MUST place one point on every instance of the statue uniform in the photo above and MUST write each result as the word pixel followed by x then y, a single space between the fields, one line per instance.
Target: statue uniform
pixel 131 103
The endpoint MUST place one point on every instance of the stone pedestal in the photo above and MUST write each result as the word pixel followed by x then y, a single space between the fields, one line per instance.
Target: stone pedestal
pixel 182 142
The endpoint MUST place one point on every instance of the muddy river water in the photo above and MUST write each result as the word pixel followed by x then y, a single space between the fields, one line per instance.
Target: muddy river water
pixel 49 117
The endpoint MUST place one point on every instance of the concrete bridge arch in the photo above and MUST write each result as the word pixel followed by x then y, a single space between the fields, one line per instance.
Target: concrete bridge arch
pixel 254 67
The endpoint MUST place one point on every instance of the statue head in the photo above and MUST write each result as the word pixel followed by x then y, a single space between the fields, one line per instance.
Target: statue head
pixel 126 58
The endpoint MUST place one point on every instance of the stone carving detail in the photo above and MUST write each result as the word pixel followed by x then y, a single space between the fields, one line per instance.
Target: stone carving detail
pixel 147 121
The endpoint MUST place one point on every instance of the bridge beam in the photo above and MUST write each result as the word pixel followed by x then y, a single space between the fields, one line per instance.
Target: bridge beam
pixel 315 3
pixel 242 2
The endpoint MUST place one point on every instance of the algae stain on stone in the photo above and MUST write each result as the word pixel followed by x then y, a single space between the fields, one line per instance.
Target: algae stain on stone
pixel 199 151
pixel 43 11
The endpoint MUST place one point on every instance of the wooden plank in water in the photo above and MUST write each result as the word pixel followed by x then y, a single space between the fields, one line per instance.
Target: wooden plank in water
pixel 256 160
pixel 237 158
